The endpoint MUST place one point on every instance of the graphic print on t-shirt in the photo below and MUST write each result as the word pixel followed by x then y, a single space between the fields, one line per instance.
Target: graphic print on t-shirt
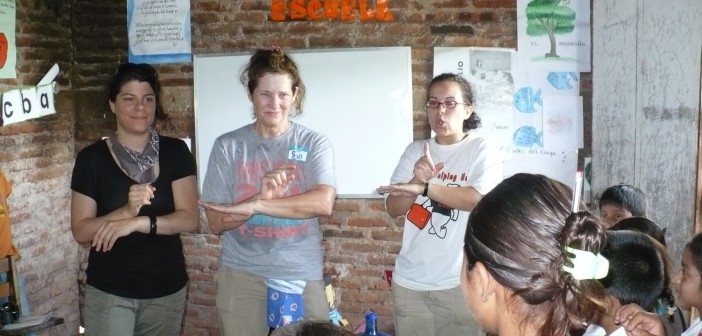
pixel 437 215
pixel 264 226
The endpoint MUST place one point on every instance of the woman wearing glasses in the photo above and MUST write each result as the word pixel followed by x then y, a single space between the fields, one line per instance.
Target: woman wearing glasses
pixel 435 186
pixel 133 194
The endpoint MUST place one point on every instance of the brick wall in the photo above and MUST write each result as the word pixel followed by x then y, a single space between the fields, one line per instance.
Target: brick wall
pixel 360 238
pixel 37 157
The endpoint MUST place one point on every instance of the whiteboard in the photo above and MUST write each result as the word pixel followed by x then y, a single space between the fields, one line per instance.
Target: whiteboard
pixel 360 98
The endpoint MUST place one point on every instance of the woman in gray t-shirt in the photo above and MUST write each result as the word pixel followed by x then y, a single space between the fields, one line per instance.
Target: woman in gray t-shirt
pixel 265 186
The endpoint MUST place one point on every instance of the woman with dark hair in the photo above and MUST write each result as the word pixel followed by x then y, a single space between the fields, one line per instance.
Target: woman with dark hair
pixel 530 262
pixel 435 186
pixel 133 194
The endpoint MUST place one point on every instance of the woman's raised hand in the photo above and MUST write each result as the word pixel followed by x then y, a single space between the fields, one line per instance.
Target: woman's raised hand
pixel 275 183
pixel 424 168
pixel 139 195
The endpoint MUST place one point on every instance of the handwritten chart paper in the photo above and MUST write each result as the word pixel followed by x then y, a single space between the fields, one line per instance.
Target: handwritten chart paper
pixel 559 165
pixel 8 51
pixel 159 31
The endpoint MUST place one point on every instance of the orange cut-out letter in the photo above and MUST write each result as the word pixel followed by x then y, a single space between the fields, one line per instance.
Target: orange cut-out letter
pixel 278 10
pixel 312 8
pixel 363 12
pixel 297 9
pixel 383 13
pixel 331 8
pixel 347 7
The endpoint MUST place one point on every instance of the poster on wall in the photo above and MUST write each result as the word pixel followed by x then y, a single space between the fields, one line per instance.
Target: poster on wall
pixel 159 31
pixel 549 111
pixel 553 35
pixel 8 50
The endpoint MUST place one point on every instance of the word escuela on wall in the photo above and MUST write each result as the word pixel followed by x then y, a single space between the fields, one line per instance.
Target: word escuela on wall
pixel 345 10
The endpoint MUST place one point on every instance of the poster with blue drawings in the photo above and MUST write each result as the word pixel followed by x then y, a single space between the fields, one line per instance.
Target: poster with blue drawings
pixel 490 73
pixel 547 125
pixel 554 35
pixel 548 111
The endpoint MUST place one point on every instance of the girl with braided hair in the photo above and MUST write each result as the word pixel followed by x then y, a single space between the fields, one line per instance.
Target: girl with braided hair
pixel 531 262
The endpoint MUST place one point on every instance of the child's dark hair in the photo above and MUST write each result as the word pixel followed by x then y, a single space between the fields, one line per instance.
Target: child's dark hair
pixel 695 248
pixel 473 121
pixel 625 196
pixel 143 72
pixel 641 224
pixel 519 231
pixel 639 269
pixel 274 61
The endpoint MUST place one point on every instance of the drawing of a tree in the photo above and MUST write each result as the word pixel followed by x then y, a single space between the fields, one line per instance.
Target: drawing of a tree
pixel 549 17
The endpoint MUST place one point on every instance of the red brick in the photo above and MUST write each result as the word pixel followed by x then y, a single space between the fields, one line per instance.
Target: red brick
pixel 367 222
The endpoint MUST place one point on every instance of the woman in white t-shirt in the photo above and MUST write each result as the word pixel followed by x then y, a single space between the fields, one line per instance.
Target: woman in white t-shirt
pixel 435 186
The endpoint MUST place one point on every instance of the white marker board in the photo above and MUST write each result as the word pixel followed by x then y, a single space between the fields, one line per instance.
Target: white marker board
pixel 360 98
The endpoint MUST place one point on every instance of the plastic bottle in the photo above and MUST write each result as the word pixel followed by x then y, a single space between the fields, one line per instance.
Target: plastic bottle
pixel 372 325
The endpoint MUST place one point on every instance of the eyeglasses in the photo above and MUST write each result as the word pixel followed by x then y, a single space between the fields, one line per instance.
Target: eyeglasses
pixel 449 104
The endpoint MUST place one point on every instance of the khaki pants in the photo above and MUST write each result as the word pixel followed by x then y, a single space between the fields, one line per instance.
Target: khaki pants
pixel 241 303
pixel 111 315
pixel 432 313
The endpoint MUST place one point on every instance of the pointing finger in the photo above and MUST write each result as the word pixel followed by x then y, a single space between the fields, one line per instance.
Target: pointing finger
pixel 427 154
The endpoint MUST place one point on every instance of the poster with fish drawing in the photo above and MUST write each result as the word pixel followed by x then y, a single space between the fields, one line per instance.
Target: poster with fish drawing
pixel 528 116
pixel 553 35
pixel 490 73
pixel 531 91
pixel 563 122
pixel 557 83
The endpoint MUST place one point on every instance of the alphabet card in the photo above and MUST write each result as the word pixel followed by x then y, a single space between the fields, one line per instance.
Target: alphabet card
pixel 28 103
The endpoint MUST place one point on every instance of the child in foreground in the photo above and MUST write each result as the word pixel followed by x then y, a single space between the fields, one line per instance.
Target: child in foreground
pixel 689 293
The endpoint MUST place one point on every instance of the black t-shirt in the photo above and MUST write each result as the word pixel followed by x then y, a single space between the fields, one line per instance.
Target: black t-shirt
pixel 137 266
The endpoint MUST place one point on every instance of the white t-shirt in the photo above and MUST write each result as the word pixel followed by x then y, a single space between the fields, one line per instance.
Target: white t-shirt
pixel 430 257
pixel 694 329
pixel 595 330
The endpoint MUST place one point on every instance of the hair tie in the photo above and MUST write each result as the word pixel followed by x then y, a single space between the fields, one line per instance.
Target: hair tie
pixel 586 265
pixel 275 48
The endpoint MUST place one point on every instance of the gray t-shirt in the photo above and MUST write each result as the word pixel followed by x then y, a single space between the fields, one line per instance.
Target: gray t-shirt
pixel 279 248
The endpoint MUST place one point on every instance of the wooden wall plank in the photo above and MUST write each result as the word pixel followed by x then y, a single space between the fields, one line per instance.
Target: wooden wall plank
pixel 613 94
pixel 657 146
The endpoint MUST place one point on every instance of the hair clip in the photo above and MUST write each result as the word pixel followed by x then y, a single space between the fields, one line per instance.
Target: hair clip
pixel 275 48
pixel 586 265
